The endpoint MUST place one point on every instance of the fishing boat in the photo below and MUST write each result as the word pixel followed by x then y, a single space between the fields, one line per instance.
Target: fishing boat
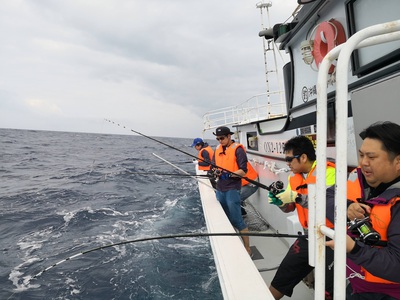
pixel 343 75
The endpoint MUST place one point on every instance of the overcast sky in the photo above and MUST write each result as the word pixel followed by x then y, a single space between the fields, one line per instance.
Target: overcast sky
pixel 154 66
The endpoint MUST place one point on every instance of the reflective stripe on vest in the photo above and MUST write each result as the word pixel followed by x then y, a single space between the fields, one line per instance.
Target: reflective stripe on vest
pixel 297 180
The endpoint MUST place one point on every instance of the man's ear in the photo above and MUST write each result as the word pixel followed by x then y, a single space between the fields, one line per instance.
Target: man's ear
pixel 397 163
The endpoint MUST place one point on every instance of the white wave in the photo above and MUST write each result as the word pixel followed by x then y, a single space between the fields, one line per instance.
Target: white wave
pixel 186 246
pixel 171 203
pixel 30 245
pixel 22 283
pixel 69 215
pixel 111 212
pixel 71 283
pixel 35 240
pixel 206 285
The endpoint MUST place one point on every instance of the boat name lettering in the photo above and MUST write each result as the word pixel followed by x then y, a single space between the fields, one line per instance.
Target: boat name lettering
pixel 274 147
pixel 308 92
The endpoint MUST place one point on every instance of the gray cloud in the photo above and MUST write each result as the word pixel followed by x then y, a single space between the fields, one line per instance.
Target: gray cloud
pixel 66 65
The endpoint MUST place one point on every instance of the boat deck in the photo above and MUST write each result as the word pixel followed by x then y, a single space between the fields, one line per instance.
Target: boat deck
pixel 268 252
pixel 272 254
pixel 240 276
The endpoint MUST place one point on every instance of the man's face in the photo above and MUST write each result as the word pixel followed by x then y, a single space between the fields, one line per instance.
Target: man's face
pixel 375 163
pixel 224 139
pixel 294 162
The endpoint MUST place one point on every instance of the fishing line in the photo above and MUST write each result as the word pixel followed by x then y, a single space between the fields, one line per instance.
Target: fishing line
pixel 191 155
pixel 171 236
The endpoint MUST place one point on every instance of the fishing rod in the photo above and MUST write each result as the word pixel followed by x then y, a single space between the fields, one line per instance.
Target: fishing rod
pixel 169 174
pixel 171 236
pixel 172 174
pixel 263 186
pixel 184 162
pixel 183 171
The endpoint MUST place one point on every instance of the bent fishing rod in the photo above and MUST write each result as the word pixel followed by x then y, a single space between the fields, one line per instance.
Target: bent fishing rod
pixel 171 236
pixel 263 186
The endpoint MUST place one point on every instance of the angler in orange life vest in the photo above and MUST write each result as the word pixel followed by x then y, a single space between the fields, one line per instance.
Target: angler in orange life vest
pixel 248 188
pixel 373 190
pixel 231 156
pixel 205 154
pixel 204 157
pixel 301 158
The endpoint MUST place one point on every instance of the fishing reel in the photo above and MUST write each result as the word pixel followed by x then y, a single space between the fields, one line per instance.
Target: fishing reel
pixel 214 173
pixel 363 227
pixel 276 187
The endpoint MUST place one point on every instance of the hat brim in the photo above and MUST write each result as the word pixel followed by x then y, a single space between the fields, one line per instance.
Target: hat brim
pixel 223 134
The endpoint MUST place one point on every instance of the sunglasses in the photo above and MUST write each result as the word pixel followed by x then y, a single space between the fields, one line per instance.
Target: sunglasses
pixel 221 138
pixel 289 159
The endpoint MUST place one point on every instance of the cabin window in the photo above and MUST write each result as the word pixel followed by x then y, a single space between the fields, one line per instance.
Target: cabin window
pixel 363 13
pixel 252 141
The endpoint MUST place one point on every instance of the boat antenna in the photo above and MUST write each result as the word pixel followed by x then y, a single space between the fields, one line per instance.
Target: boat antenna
pixel 269 45
pixel 263 186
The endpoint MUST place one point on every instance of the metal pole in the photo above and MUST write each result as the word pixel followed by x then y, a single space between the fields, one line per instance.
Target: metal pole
pixel 369 36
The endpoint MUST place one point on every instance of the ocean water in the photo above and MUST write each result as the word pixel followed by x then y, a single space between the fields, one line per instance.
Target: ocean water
pixel 63 194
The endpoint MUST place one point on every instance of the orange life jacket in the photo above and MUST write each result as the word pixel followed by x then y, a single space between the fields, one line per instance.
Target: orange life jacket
pixel 299 184
pixel 210 153
pixel 354 189
pixel 227 159
pixel 251 174
pixel 380 217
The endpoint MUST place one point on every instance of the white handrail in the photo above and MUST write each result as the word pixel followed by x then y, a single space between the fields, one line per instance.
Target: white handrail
pixel 259 107
pixel 372 35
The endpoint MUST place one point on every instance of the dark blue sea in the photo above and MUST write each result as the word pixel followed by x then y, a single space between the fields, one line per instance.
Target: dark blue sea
pixel 64 193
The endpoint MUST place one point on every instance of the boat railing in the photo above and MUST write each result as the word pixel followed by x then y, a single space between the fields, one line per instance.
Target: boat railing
pixel 259 107
pixel 369 36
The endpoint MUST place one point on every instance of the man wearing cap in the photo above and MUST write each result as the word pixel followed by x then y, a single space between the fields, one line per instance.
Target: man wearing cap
pixel 231 159
pixel 204 156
